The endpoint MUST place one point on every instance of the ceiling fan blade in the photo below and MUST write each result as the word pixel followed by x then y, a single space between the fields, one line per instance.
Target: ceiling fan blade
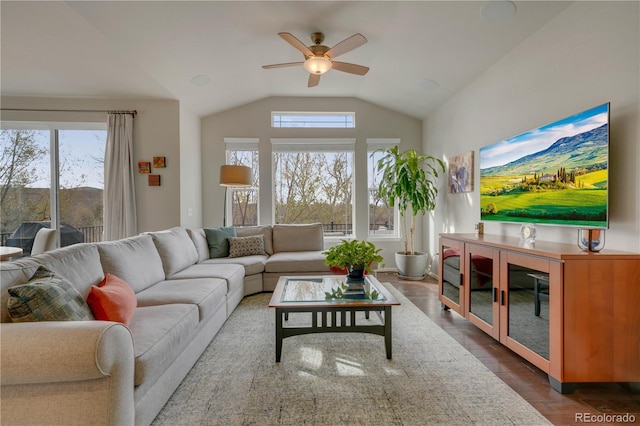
pixel 286 64
pixel 350 68
pixel 346 45
pixel 289 38
pixel 314 79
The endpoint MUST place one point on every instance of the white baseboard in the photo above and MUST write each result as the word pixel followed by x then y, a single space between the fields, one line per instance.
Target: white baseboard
pixel 429 273
pixel 386 270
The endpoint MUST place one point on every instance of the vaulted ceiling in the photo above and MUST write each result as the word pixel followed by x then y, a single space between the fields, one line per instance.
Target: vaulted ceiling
pixel 420 53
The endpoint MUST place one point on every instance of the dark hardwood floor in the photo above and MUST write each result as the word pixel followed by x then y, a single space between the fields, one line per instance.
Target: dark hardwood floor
pixel 527 380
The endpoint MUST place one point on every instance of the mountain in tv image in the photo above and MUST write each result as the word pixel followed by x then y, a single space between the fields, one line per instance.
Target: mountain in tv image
pixel 564 184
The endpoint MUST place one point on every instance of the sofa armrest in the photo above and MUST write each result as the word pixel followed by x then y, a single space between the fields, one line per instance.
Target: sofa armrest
pixel 79 371
pixel 58 351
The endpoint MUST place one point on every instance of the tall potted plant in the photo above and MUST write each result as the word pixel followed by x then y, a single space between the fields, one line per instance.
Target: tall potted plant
pixel 408 180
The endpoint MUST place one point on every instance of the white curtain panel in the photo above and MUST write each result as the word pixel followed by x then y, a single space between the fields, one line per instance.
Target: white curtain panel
pixel 120 219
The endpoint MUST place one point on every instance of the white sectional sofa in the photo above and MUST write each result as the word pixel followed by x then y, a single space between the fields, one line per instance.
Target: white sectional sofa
pixel 105 373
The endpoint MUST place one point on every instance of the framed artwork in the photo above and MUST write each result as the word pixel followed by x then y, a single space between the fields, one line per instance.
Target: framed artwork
pixel 159 162
pixel 154 180
pixel 144 167
pixel 461 173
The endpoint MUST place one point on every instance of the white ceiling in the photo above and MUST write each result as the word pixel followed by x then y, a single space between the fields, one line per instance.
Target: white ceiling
pixel 149 49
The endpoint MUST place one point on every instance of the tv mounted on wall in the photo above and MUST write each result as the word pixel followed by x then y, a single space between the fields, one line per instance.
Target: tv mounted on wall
pixel 556 174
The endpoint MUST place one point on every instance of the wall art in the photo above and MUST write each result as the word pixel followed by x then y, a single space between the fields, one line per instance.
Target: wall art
pixel 461 173
pixel 144 167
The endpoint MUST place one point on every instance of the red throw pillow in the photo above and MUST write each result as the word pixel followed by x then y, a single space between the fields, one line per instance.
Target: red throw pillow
pixel 112 300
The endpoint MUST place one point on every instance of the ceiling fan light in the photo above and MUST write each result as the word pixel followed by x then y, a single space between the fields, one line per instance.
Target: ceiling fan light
pixel 317 65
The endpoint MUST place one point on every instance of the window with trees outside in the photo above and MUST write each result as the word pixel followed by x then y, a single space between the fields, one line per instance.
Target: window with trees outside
pixel 242 203
pixel 313 182
pixel 51 175
pixel 382 217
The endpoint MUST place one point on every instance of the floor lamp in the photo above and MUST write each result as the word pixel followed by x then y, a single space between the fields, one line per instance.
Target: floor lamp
pixel 233 176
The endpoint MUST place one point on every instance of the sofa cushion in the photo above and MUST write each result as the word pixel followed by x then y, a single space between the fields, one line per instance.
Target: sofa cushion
pixel 246 246
pixel 176 249
pixel 290 238
pixel 199 239
pixel 252 264
pixel 160 334
pixel 112 300
pixel 135 260
pixel 208 294
pixel 265 230
pixel 47 297
pixel 79 264
pixel 218 240
pixel 299 261
pixel 232 273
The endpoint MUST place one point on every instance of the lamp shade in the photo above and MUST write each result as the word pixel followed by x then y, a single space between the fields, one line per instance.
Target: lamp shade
pixel 317 65
pixel 235 176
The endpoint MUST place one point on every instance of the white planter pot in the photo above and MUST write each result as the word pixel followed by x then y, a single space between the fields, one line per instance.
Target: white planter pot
pixel 412 266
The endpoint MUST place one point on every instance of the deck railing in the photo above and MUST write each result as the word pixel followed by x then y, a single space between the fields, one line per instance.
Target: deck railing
pixel 92 234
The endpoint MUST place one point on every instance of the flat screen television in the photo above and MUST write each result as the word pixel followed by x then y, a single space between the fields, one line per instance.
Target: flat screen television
pixel 556 174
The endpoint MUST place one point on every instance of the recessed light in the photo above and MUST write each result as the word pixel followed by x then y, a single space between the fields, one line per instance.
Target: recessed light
pixel 497 10
pixel 200 80
pixel 429 84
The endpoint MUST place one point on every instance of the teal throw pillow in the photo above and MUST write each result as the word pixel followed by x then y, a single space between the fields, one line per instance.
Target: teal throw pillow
pixel 218 240
pixel 47 297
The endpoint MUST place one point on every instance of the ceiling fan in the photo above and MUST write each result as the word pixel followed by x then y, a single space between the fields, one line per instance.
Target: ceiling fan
pixel 319 58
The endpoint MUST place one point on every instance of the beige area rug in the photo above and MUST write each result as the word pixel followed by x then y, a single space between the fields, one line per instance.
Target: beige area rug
pixel 336 379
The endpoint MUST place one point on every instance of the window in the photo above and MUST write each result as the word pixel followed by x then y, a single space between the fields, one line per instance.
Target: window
pixel 382 217
pixel 327 120
pixel 53 175
pixel 313 182
pixel 242 203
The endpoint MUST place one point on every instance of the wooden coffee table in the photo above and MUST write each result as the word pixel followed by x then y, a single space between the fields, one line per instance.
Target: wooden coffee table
pixel 331 315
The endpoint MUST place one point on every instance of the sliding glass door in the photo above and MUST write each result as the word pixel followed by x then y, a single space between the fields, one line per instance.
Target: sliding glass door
pixel 81 184
pixel 51 176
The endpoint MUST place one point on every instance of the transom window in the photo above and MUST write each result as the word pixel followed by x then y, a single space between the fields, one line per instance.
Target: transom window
pixel 318 120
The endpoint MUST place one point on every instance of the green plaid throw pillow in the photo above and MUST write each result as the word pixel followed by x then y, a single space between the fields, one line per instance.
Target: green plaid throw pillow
pixel 47 297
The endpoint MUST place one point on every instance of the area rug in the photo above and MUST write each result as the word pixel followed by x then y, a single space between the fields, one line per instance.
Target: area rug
pixel 336 379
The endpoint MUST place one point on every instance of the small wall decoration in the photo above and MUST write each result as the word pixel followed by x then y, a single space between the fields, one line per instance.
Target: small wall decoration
pixel 461 173
pixel 144 167
pixel 154 180
pixel 159 163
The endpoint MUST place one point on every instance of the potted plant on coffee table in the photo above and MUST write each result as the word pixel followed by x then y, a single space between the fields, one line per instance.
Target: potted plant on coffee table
pixel 408 179
pixel 356 256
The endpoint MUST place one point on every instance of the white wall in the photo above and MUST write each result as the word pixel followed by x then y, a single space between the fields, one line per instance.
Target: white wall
pixel 254 121
pixel 586 56
pixel 156 132
pixel 190 170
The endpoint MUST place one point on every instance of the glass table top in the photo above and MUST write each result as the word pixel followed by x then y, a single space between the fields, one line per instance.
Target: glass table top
pixel 330 289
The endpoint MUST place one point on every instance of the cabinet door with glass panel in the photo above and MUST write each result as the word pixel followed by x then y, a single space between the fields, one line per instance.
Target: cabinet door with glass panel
pixel 481 280
pixel 530 300
pixel 451 283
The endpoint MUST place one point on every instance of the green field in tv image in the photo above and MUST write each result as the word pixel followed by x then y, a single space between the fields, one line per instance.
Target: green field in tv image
pixel 556 174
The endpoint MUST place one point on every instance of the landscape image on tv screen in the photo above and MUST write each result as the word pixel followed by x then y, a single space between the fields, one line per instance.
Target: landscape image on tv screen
pixel 556 174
